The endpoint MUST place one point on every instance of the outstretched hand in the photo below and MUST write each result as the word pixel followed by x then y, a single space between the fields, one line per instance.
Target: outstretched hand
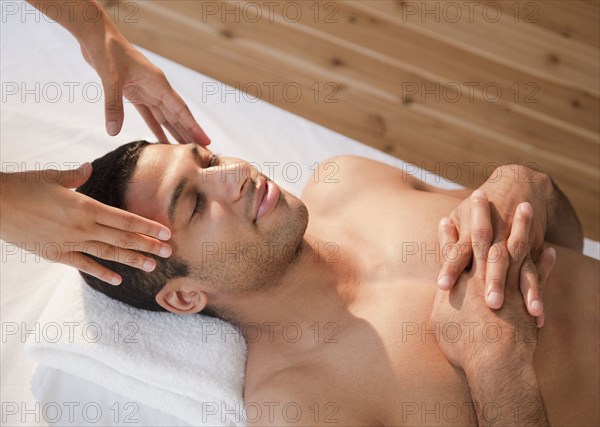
pixel 125 72
pixel 41 215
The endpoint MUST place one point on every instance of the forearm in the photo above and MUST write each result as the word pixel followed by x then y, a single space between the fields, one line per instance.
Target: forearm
pixel 84 19
pixel 507 394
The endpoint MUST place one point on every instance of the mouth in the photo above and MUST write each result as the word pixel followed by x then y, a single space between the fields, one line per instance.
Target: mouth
pixel 267 196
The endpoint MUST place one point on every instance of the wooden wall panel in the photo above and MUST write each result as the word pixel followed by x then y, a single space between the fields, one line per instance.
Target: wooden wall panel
pixel 428 88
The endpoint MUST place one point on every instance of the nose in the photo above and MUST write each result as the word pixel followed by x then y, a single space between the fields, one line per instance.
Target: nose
pixel 225 182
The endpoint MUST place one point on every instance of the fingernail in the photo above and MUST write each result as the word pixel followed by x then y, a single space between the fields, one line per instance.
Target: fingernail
pixel 164 235
pixel 444 282
pixel 112 128
pixel 149 265
pixel 165 251
pixel 478 194
pixel 536 306
pixel 494 299
pixel 200 135
pixel 446 221
pixel 525 208
pixel 116 280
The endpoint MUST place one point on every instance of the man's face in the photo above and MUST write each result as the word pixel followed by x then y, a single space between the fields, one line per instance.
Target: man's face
pixel 237 230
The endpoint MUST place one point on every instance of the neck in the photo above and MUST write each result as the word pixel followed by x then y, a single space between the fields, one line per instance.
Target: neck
pixel 314 291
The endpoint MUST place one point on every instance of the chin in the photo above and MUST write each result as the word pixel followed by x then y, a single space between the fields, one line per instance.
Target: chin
pixel 287 226
pixel 293 211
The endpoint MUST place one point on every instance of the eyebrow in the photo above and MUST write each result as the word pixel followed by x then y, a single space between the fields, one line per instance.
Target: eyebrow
pixel 181 185
pixel 195 152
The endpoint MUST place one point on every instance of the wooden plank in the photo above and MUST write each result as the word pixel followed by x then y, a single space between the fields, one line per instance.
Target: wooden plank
pixel 520 45
pixel 571 19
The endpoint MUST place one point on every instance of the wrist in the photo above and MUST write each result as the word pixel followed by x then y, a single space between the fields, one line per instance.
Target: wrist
pixel 513 389
pixel 506 357
pixel 96 37
pixel 508 365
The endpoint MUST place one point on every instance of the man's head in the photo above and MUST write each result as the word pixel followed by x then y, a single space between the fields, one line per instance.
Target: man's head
pixel 232 230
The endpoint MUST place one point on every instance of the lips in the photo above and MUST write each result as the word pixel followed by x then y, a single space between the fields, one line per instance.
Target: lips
pixel 267 196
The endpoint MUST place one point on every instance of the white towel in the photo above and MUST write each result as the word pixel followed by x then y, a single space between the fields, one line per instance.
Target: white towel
pixel 189 366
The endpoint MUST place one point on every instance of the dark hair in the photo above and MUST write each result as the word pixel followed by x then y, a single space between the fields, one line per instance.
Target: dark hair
pixel 111 175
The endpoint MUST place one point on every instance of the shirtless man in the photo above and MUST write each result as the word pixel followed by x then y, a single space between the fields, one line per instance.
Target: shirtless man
pixel 375 341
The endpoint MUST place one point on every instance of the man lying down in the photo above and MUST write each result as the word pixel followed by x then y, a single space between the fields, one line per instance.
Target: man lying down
pixel 379 342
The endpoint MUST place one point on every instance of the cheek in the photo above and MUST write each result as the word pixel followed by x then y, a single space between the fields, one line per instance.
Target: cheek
pixel 216 238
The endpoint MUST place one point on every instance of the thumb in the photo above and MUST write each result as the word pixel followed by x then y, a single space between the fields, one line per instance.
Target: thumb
pixel 75 178
pixel 113 107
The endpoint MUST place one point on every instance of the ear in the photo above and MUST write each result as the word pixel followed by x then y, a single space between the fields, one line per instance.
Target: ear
pixel 182 296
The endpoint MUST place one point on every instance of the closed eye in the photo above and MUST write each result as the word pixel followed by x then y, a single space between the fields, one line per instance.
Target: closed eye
pixel 199 206
pixel 213 161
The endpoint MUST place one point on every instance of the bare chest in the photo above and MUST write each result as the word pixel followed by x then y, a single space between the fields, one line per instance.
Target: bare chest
pixel 385 366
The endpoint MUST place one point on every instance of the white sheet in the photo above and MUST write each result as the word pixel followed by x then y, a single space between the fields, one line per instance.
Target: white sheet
pixel 60 121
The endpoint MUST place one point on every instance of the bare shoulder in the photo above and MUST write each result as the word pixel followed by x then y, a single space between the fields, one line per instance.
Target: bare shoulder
pixel 356 169
pixel 337 179
pixel 300 396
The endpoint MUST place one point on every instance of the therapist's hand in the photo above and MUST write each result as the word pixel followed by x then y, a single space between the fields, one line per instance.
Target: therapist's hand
pixel 41 215
pixel 125 72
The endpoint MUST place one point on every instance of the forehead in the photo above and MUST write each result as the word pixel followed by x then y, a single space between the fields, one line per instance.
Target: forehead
pixel 158 168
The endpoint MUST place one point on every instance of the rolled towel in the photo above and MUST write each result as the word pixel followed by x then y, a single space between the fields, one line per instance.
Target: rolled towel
pixel 189 366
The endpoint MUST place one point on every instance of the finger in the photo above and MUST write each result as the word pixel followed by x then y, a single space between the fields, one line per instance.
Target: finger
pixel 481 231
pixel 183 116
pixel 544 265
pixel 113 106
pixel 74 178
pixel 452 254
pixel 518 241
pixel 495 274
pixel 120 255
pixel 133 241
pixel 530 287
pixel 88 265
pixel 152 123
pixel 127 221
pixel 175 124
pixel 540 320
pixel 160 117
